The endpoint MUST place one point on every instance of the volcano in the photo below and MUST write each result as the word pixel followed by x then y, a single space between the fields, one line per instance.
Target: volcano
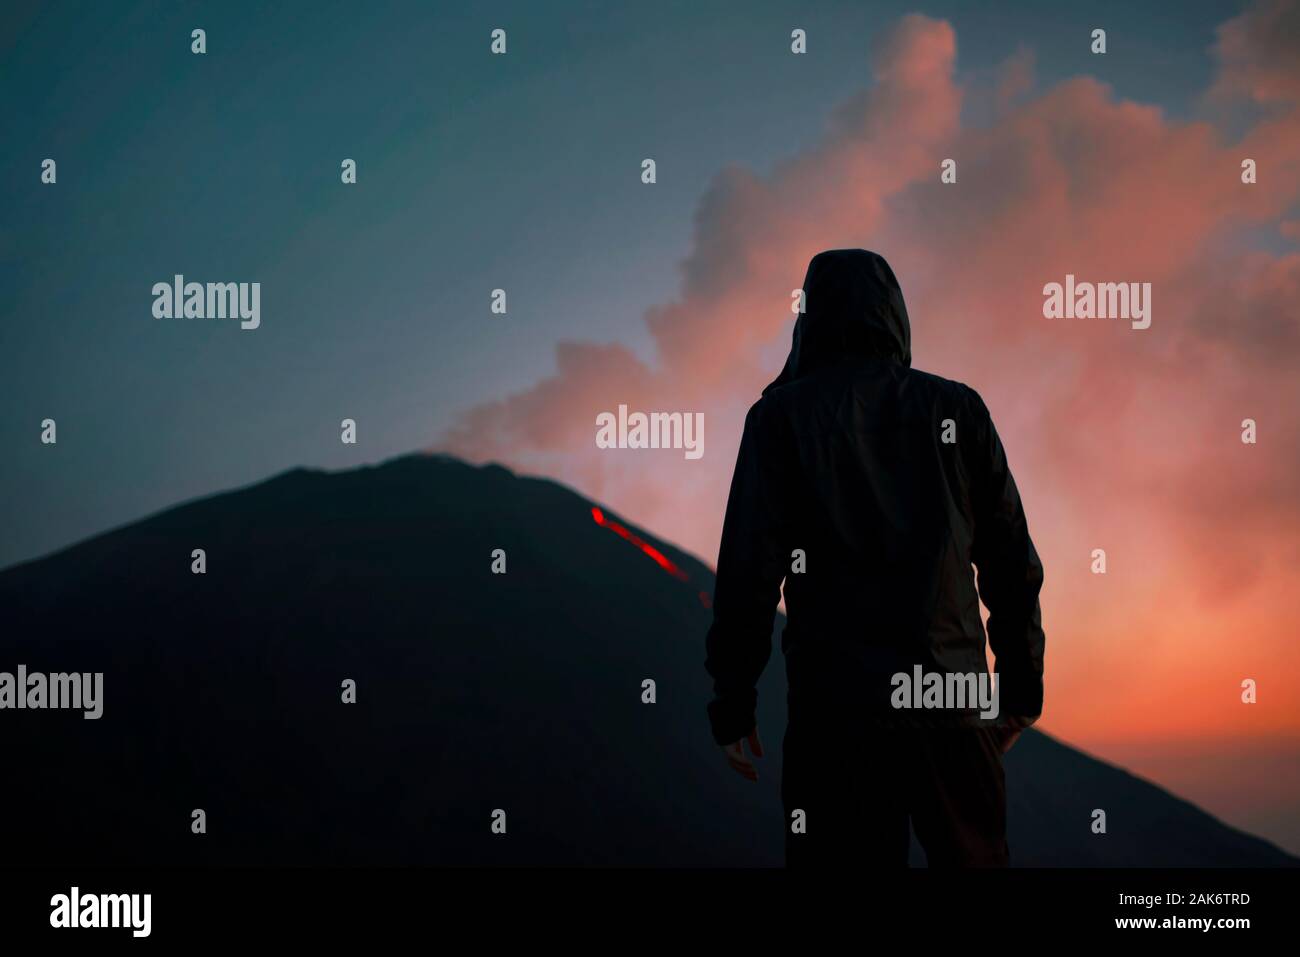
pixel 476 692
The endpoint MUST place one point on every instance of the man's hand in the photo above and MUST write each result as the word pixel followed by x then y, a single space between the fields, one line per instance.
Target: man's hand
pixel 1007 737
pixel 735 753
pixel 1009 734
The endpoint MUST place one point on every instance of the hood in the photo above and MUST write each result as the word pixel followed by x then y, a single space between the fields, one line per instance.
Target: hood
pixel 853 306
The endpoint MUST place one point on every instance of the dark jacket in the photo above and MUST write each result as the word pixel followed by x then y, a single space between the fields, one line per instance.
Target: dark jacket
pixel 844 459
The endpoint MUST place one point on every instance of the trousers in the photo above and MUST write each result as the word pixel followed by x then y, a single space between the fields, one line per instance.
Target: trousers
pixel 859 788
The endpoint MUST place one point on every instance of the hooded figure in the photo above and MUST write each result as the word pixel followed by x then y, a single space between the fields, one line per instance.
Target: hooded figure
pixel 870 489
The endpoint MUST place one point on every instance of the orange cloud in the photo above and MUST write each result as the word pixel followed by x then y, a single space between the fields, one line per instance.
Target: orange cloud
pixel 1123 440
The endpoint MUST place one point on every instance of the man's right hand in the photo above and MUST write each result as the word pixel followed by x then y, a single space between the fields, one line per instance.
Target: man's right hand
pixel 1009 733
pixel 736 757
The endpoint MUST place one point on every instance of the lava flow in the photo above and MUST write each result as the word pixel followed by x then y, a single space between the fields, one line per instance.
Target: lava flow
pixel 660 558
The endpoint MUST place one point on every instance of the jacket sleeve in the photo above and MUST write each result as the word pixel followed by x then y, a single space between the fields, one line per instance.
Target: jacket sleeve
pixel 752 563
pixel 1009 574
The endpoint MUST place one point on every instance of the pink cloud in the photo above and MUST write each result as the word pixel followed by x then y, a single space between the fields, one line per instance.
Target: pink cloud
pixel 1122 439
pixel 1257 51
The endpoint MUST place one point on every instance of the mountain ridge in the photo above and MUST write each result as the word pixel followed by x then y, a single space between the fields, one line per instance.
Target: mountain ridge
pixel 382 575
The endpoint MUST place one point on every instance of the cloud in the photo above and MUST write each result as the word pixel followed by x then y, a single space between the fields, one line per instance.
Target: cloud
pixel 752 238
pixel 1257 51
pixel 1125 440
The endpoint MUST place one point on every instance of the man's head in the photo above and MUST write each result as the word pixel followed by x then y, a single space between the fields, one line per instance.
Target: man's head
pixel 853 306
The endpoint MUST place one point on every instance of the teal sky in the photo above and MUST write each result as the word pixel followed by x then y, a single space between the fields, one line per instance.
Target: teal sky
pixel 474 172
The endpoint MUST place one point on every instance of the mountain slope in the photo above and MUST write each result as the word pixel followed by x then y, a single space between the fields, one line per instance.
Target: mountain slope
pixel 475 692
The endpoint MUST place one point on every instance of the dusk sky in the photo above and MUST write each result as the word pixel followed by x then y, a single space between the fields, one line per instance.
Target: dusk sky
pixel 523 172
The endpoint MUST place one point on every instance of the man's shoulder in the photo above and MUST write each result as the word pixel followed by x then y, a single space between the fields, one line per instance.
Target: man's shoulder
pixel 947 388
pixel 794 395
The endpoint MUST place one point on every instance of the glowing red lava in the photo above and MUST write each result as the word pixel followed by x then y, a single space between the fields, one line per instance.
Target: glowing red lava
pixel 645 546
pixel 660 558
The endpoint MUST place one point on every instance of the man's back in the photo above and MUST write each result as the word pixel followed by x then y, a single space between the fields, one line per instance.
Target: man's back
pixel 881 506
pixel 870 488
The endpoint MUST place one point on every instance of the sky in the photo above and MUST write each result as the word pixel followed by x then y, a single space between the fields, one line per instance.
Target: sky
pixel 522 172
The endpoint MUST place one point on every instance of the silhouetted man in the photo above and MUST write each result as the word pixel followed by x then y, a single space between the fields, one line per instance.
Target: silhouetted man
pixel 870 488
